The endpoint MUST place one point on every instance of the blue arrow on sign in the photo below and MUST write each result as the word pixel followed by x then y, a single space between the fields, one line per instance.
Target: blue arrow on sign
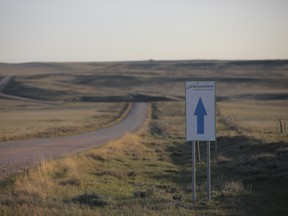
pixel 200 112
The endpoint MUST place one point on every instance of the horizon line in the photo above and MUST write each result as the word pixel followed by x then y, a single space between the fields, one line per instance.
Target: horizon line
pixel 144 60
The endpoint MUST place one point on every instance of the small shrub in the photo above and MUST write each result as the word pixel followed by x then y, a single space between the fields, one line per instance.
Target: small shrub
pixel 177 197
pixel 233 188
pixel 131 174
pixel 115 173
pixel 140 194
pixel 143 194
pixel 283 150
pixel 221 159
pixel 61 172
pixel 92 200
pixel 263 157
pixel 71 181
pixel 5 139
pixel 187 189
pixel 171 190
pixel 96 156
pixel 177 153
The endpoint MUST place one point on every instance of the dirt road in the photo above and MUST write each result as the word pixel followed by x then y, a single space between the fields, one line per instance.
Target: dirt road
pixel 6 80
pixel 18 155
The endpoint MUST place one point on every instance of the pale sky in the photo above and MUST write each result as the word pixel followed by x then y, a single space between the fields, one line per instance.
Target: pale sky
pixel 119 30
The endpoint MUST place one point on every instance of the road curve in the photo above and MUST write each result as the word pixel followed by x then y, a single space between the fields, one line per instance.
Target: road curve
pixel 6 80
pixel 18 155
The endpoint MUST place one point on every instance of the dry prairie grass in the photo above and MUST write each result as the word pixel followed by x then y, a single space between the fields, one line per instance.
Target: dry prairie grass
pixel 149 173
pixel 127 176
pixel 157 80
pixel 71 81
pixel 24 120
pixel 260 118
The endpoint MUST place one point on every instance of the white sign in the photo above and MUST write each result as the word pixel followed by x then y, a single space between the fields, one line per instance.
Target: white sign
pixel 200 111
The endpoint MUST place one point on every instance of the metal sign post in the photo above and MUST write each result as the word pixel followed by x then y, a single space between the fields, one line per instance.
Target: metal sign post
pixel 200 123
pixel 208 172
pixel 193 173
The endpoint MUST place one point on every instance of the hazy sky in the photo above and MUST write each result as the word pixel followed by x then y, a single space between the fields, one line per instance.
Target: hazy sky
pixel 110 30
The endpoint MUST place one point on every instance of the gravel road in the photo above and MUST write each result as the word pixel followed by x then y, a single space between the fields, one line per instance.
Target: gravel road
pixel 15 156
pixel 6 80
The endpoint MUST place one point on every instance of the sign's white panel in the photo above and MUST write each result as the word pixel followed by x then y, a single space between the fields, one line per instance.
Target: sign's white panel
pixel 200 111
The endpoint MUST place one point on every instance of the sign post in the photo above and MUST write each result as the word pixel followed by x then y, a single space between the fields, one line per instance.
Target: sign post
pixel 208 172
pixel 193 173
pixel 200 123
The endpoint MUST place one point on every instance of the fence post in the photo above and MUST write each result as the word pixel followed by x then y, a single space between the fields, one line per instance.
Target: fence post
pixel 281 127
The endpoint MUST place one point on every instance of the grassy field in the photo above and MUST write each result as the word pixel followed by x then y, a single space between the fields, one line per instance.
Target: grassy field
pixel 78 85
pixel 26 120
pixel 149 173
pixel 158 80
pixel 263 119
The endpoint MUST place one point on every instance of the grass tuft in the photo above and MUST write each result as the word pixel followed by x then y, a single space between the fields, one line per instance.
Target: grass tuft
pixel 73 181
pixel 92 200
pixel 221 159
pixel 233 188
